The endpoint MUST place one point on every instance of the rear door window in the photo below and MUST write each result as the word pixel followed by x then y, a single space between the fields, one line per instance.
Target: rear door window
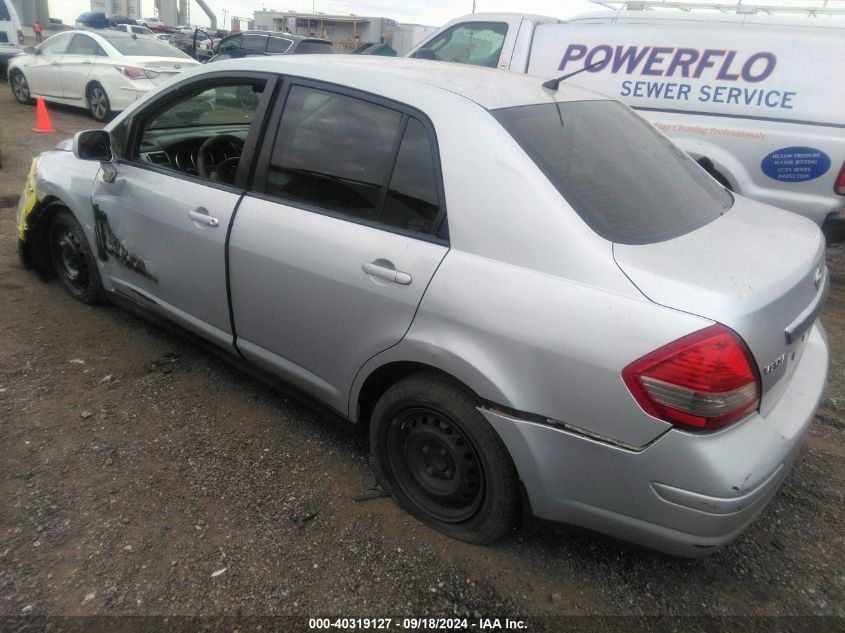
pixel 84 45
pixel 278 45
pixel 308 47
pixel 333 151
pixel 477 43
pixel 5 16
pixel 628 182
pixel 411 201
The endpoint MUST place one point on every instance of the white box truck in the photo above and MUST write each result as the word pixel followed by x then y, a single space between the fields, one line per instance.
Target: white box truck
pixel 755 98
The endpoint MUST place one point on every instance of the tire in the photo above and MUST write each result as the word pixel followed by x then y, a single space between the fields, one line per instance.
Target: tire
pixel 442 461
pixel 98 103
pixel 73 259
pixel 20 87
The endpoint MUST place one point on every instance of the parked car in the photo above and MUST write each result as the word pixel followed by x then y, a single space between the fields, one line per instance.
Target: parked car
pixel 250 43
pixel 189 40
pixel 751 104
pixel 103 71
pixel 154 24
pixel 92 20
pixel 134 28
pixel 115 20
pixel 11 35
pixel 499 282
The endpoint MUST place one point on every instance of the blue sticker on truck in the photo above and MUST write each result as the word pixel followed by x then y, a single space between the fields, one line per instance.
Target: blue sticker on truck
pixel 795 164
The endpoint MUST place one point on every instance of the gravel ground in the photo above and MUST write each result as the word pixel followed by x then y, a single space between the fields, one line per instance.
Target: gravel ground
pixel 142 475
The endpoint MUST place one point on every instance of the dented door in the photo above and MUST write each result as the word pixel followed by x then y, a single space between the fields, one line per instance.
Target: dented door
pixel 162 240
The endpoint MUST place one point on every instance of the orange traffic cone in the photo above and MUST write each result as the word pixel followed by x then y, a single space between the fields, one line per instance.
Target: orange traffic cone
pixel 42 119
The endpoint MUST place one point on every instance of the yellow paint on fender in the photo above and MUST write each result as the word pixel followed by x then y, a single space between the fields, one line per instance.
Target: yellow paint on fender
pixel 29 199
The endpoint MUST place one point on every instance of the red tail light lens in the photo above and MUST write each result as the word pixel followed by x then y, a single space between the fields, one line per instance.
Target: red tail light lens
pixel 703 381
pixel 839 187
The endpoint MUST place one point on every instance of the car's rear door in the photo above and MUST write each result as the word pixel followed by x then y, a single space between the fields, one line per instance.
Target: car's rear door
pixel 161 224
pixel 77 63
pixel 335 244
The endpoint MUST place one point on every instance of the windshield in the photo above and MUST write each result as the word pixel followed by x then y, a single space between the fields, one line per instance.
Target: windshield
pixel 314 47
pixel 629 183
pixel 143 47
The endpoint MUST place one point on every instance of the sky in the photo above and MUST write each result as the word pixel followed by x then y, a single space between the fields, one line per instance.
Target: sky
pixel 428 12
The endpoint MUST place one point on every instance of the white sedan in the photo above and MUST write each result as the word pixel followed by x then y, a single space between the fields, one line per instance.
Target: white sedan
pixel 104 72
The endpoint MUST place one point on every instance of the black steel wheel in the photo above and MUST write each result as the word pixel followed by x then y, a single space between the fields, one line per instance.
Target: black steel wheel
pixel 20 87
pixel 72 258
pixel 442 461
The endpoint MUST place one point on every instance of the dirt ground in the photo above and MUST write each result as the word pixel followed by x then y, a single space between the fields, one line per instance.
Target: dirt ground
pixel 134 466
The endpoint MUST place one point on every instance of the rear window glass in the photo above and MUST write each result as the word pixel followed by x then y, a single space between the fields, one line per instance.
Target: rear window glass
pixel 312 48
pixel 278 45
pixel 627 182
pixel 144 47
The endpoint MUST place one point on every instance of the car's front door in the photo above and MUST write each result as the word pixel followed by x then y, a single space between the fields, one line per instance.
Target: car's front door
pixel 331 253
pixel 161 225
pixel 77 64
pixel 43 70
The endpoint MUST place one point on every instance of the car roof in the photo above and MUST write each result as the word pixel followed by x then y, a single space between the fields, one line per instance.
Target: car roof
pixel 291 36
pixel 393 77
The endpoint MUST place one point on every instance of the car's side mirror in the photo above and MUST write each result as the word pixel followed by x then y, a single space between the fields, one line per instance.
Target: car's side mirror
pixel 30 50
pixel 93 145
pixel 424 53
pixel 97 145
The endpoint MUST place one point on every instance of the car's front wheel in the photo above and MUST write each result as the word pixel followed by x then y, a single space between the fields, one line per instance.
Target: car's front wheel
pixel 98 103
pixel 72 258
pixel 20 87
pixel 442 461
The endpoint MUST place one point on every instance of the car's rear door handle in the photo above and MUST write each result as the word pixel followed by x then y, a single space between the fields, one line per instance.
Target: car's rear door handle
pixel 201 215
pixel 383 269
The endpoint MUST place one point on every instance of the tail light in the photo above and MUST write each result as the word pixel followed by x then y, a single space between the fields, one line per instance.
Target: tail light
pixel 703 381
pixel 839 187
pixel 135 73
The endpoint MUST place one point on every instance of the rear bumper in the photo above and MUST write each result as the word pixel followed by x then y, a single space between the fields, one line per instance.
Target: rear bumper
pixel 686 494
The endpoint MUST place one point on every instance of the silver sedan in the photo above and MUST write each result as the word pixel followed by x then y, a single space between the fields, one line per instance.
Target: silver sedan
pixel 509 288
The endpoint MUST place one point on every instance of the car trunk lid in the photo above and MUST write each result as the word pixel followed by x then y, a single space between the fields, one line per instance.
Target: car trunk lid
pixel 758 270
pixel 167 67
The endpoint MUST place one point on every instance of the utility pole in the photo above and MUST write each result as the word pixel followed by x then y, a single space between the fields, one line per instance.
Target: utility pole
pixel 473 6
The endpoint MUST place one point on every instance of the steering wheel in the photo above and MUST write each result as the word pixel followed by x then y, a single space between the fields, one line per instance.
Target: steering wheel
pixel 224 170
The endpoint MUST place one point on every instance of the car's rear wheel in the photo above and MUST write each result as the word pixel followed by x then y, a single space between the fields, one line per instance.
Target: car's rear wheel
pixel 73 259
pixel 442 461
pixel 20 87
pixel 98 103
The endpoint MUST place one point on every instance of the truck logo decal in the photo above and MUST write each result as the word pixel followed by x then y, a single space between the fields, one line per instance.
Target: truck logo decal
pixel 715 75
pixel 795 164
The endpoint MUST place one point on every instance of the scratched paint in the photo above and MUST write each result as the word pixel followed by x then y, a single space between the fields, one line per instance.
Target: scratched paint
pixel 108 244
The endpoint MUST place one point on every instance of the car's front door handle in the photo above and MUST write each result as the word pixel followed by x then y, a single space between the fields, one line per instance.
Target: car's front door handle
pixel 201 215
pixel 383 269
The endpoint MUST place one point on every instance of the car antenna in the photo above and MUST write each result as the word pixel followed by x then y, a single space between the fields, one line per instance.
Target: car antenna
pixel 553 84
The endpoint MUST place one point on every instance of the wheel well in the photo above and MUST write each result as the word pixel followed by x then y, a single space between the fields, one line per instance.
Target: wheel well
pixel 37 235
pixel 91 84
pixel 710 167
pixel 384 378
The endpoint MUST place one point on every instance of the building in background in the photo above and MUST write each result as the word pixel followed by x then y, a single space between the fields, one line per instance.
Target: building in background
pixel 130 8
pixel 31 10
pixel 346 32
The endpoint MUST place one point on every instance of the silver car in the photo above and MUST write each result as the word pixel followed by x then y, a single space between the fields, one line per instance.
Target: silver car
pixel 523 295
